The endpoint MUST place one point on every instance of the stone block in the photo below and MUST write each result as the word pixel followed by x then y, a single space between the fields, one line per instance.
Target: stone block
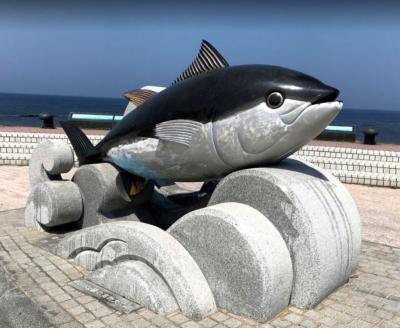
pixel 53 203
pixel 242 255
pixel 155 247
pixel 49 160
pixel 137 281
pixel 315 215
pixel 104 191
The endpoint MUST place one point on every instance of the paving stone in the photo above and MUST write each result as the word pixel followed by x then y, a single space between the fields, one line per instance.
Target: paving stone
pixel 112 319
pixel 358 323
pixel 296 310
pixel 95 324
pixel 308 324
pixel 313 314
pixel 178 318
pixel 292 317
pixel 132 316
pixel 71 325
pixel 101 312
pixel 232 323
pixel 62 297
pixel 371 319
pixel 160 321
pixel 281 323
pixel 76 310
pixel 147 314
pixel 126 324
pixel 84 299
pixel 141 323
pixel 85 317
pixel 327 321
pixel 69 304
pixel 219 316
pixel 61 318
pixel 344 318
pixel 329 312
pixel 92 306
pixel 191 324
pixel 57 291
pixel 384 314
pixel 208 323
pixel 249 322
pixel 392 306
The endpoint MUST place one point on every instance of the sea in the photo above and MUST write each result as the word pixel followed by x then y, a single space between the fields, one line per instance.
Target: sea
pixel 22 110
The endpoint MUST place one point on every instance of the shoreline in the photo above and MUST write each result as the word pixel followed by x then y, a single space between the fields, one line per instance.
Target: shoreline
pixel 339 144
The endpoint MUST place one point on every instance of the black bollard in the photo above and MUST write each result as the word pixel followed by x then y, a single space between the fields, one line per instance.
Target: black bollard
pixel 369 136
pixel 47 120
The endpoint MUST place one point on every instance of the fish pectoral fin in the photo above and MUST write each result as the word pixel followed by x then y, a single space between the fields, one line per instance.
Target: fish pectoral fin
pixel 139 96
pixel 179 131
pixel 207 59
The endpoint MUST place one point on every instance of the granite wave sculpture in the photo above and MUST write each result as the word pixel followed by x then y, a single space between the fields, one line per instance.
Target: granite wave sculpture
pixel 269 237
pixel 96 194
pixel 152 246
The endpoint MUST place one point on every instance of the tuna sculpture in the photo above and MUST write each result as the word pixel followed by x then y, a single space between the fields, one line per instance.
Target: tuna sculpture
pixel 213 120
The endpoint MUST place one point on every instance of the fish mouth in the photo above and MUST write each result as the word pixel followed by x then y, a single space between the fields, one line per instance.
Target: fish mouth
pixel 322 107
pixel 324 102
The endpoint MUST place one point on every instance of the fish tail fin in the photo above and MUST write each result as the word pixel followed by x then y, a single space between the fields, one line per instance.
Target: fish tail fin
pixel 84 149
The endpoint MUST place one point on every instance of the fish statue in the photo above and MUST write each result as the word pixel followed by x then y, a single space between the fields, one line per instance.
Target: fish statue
pixel 212 120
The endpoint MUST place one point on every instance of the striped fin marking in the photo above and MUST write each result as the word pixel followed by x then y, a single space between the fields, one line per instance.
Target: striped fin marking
pixel 139 96
pixel 207 59
pixel 180 131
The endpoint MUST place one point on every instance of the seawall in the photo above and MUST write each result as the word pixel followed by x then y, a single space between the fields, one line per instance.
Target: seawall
pixel 358 165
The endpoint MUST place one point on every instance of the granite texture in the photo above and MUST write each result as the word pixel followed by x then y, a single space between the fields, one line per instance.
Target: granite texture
pixel 137 281
pixel 109 252
pixel 156 248
pixel 104 192
pixel 315 215
pixel 243 257
pixel 49 160
pixel 54 203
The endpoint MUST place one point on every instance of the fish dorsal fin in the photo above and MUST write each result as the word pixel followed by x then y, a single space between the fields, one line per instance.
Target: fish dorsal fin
pixel 139 96
pixel 179 131
pixel 207 59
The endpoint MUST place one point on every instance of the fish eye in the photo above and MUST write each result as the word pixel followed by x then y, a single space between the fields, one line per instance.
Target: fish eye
pixel 275 100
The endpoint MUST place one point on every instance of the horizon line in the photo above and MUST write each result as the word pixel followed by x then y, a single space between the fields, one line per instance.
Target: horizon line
pixel 123 98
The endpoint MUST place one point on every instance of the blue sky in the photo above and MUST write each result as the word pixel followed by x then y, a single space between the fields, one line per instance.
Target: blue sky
pixel 100 49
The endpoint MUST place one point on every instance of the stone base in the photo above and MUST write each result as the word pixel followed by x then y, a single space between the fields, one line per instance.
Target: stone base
pixel 144 286
pixel 243 257
pixel 267 237
pixel 315 215
pixel 121 241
